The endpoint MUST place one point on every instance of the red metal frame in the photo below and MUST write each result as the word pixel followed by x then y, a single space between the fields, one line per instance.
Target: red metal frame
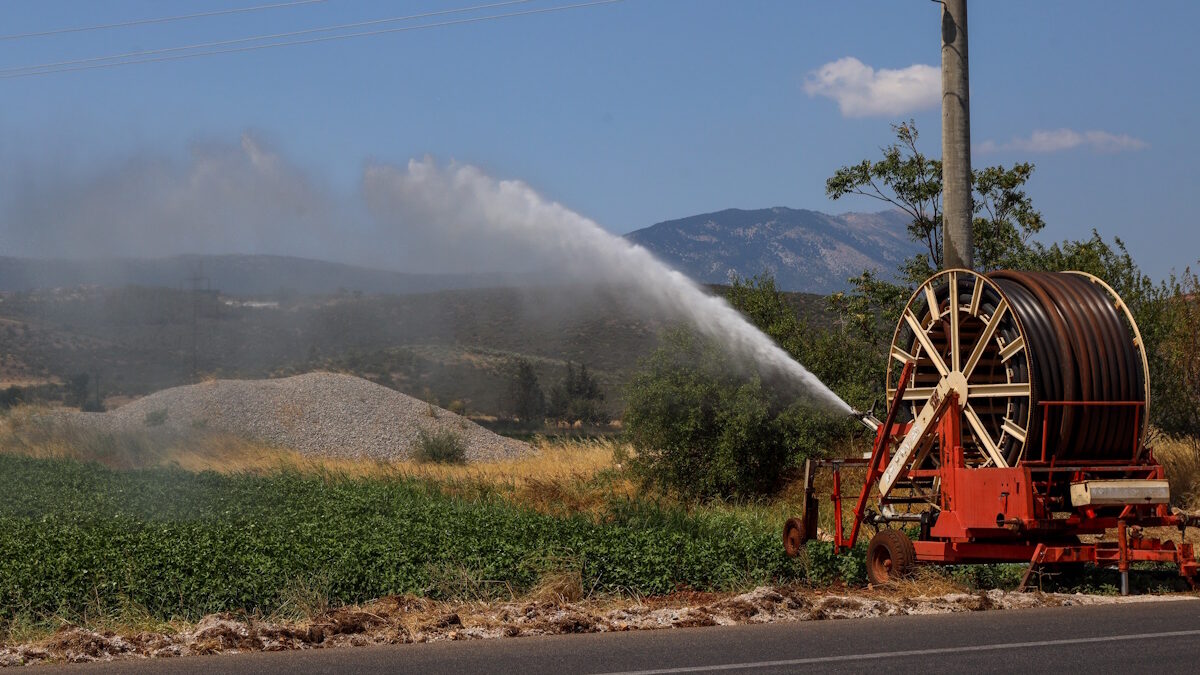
pixel 1016 514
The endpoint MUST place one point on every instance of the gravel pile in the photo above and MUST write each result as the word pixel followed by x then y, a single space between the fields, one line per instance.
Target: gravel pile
pixel 317 413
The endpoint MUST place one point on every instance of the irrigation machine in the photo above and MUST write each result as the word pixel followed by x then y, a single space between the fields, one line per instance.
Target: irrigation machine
pixel 1015 432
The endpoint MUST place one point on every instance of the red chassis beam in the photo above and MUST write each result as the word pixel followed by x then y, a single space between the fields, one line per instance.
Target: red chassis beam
pixel 1100 553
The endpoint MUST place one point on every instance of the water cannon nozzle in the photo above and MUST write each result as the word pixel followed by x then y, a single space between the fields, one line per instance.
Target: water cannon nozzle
pixel 867 419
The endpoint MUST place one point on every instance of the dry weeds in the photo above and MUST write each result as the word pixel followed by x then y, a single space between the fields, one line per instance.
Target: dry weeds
pixel 407 619
pixel 1181 459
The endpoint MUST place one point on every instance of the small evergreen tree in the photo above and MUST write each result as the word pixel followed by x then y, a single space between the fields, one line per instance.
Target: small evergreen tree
pixel 527 403
pixel 577 398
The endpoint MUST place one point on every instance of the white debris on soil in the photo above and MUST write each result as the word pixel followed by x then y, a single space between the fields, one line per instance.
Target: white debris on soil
pixel 406 619
pixel 317 413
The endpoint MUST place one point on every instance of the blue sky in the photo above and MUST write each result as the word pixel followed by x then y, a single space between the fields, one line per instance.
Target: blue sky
pixel 643 110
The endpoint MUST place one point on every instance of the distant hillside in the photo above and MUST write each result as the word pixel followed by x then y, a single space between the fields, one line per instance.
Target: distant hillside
pixel 805 250
pixel 234 274
pixel 448 345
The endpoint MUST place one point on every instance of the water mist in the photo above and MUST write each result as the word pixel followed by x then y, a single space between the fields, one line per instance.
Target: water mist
pixel 460 203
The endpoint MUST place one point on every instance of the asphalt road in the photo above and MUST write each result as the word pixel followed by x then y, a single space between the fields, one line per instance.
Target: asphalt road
pixel 1160 637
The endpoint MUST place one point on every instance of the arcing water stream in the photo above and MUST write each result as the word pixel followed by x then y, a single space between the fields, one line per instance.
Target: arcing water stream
pixel 463 202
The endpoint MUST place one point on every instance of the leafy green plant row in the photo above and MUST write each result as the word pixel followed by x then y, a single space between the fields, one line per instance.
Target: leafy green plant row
pixel 78 538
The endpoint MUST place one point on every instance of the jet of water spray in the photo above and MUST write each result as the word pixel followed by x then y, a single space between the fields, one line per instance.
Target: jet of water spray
pixel 465 204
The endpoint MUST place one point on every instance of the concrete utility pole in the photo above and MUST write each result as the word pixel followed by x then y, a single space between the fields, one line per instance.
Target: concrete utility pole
pixel 957 204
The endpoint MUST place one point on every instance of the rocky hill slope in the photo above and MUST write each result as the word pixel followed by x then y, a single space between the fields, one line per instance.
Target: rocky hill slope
pixel 805 250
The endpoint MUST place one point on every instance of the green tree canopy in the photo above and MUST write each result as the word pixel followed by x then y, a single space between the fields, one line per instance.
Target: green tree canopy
pixel 706 424
pixel 527 402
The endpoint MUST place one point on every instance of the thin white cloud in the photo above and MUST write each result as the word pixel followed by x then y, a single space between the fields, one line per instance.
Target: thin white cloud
pixel 862 91
pixel 1057 140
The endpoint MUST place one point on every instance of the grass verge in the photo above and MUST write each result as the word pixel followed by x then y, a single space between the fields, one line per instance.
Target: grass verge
pixel 79 540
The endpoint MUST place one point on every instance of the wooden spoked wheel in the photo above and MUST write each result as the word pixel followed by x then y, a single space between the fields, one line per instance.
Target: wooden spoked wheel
pixel 959 327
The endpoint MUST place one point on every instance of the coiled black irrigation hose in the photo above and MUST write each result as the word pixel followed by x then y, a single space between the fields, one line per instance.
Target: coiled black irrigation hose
pixel 1081 348
pixel 1066 336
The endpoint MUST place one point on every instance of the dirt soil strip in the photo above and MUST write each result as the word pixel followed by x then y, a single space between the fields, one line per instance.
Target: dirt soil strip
pixel 406 619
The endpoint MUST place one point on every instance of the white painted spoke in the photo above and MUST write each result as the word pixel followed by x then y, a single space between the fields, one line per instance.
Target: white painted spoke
pixel 955 357
pixel 1013 430
pixel 913 393
pixel 902 356
pixel 976 297
pixel 935 312
pixel 1013 348
pixel 984 339
pixel 926 344
pixel 995 390
pixel 982 435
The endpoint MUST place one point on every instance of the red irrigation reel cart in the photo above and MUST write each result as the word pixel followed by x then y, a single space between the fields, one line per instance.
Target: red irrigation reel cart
pixel 1015 425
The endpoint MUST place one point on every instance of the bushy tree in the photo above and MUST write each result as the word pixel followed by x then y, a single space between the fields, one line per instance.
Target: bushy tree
pixel 1176 405
pixel 527 402
pixel 700 428
pixel 1004 224
pixel 705 424
pixel 905 178
pixel 578 397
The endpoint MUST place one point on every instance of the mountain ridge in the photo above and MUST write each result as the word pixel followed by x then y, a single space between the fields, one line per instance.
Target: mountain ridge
pixel 804 250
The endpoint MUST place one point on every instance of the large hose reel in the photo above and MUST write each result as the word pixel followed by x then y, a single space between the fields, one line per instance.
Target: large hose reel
pixel 1010 341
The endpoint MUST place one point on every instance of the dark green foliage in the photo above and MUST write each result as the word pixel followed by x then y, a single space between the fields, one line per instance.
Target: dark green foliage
pixel 76 393
pixel 1176 408
pixel 11 397
pixel 700 428
pixel 156 418
pixel 908 180
pixel 77 538
pixel 441 447
pixel 578 398
pixel 527 403
pixel 704 426
pixel 826 567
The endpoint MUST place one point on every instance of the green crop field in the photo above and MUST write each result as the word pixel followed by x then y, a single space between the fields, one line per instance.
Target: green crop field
pixel 79 539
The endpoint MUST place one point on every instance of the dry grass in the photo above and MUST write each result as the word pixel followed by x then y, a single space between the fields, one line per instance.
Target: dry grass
pixel 560 477
pixel 1181 459
pixel 927 580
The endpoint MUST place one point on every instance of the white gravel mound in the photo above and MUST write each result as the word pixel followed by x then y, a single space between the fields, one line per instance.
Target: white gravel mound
pixel 317 413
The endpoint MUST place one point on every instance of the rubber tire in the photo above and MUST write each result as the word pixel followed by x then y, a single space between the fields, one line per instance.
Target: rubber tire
pixel 890 556
pixel 794 537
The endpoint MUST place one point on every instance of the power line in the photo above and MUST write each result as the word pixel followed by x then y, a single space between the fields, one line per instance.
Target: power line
pixel 164 19
pixel 32 72
pixel 256 38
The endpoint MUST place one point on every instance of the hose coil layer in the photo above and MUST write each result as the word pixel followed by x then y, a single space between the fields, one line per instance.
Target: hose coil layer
pixel 1082 349
pixel 1018 339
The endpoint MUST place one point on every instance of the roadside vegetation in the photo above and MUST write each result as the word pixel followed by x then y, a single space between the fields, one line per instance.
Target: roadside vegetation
pixel 121 534
pixel 691 498
pixel 79 540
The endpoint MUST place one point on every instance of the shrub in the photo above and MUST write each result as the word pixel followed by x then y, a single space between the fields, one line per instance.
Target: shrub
pixel 701 429
pixel 705 425
pixel 11 397
pixel 442 447
pixel 156 418
pixel 826 567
